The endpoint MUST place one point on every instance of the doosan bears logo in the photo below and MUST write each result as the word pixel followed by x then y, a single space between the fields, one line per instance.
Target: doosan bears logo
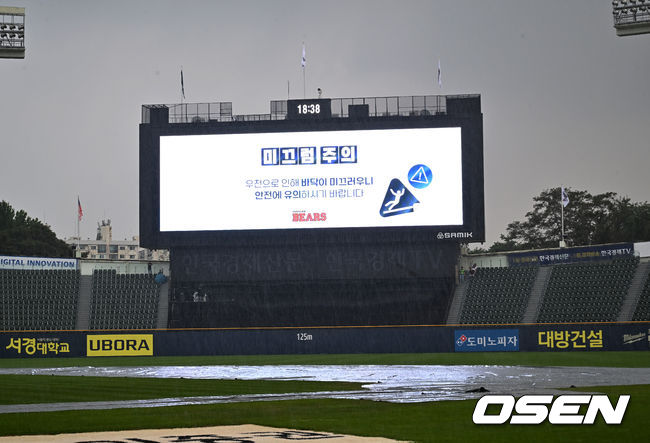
pixel 302 216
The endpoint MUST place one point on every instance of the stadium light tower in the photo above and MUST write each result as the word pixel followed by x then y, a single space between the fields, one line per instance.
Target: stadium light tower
pixel 631 17
pixel 12 32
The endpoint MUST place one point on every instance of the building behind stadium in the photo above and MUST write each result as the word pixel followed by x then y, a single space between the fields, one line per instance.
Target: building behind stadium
pixel 104 247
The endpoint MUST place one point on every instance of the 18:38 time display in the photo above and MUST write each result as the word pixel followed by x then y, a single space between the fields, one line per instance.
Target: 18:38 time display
pixel 309 109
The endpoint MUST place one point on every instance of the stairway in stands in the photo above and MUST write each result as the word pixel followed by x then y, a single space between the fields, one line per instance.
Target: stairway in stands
pixel 163 306
pixel 457 303
pixel 536 294
pixel 634 292
pixel 83 306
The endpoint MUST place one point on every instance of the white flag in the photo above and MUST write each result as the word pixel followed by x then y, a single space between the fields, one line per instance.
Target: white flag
pixel 304 60
pixel 439 75
pixel 565 198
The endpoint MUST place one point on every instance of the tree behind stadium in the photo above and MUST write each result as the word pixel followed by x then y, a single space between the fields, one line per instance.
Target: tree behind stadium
pixel 588 219
pixel 26 236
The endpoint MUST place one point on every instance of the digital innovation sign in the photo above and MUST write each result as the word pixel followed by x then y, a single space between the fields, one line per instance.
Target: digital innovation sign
pixel 370 178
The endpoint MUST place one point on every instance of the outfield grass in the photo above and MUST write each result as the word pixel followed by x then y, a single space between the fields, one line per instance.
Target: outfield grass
pixel 623 359
pixel 29 389
pixel 421 422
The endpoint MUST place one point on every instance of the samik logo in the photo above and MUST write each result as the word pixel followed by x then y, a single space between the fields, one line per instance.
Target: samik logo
pixel 119 345
pixel 448 235
pixel 535 409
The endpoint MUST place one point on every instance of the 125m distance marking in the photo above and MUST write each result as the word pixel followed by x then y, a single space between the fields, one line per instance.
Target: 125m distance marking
pixel 303 336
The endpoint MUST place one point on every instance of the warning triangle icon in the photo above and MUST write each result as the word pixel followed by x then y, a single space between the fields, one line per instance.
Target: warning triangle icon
pixel 398 200
pixel 420 176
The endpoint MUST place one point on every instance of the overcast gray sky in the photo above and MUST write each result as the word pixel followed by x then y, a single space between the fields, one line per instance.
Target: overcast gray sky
pixel 565 101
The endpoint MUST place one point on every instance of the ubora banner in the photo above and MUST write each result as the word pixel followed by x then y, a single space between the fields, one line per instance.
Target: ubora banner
pixel 113 345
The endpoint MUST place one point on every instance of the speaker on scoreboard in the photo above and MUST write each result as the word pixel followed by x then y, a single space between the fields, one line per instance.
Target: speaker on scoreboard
pixel 358 111
pixel 464 106
pixel 159 115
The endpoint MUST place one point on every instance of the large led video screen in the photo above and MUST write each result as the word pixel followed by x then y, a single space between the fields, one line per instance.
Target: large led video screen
pixel 312 179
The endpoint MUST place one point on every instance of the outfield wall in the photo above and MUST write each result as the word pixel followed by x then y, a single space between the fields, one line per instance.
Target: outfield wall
pixel 326 340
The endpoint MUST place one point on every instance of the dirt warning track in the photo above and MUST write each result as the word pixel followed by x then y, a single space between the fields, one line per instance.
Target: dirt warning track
pixel 217 434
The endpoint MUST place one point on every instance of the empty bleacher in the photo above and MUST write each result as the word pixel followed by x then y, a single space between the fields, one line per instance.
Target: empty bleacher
pixel 587 292
pixel 123 301
pixel 131 299
pixel 498 295
pixel 38 300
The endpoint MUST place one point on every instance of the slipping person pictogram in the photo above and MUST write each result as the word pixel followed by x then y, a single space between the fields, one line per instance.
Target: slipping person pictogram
pixel 398 200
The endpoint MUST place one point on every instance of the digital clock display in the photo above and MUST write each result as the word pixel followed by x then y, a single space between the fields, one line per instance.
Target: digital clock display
pixel 309 109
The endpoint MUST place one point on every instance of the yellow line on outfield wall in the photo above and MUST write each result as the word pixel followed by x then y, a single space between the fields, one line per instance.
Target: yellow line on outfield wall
pixel 271 328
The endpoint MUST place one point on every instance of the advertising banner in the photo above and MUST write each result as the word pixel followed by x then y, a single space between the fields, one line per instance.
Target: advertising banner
pixel 38 263
pixel 566 255
pixel 381 339
pixel 486 340
pixel 113 345
pixel 41 344
pixel 588 337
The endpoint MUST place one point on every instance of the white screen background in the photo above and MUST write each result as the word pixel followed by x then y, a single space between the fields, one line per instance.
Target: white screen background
pixel 203 179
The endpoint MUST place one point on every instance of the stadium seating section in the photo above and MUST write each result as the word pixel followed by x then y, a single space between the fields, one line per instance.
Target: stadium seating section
pixel 123 301
pixel 498 295
pixel 577 292
pixel 38 300
pixel 582 292
pixel 643 307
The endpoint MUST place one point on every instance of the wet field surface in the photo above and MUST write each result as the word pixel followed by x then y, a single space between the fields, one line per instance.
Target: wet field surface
pixel 395 383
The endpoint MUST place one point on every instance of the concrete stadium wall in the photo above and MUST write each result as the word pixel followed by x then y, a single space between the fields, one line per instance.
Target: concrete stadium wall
pixel 87 267
pixel 484 261
pixel 642 249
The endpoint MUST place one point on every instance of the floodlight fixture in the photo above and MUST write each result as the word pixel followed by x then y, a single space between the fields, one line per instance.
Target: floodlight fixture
pixel 12 39
pixel 631 17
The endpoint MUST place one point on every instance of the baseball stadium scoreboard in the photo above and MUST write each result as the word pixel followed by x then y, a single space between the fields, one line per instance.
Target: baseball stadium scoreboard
pixel 312 171
pixel 323 212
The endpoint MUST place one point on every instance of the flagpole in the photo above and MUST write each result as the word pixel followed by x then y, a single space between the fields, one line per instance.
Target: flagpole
pixel 562 207
pixel 562 210
pixel 78 235
pixel 303 63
